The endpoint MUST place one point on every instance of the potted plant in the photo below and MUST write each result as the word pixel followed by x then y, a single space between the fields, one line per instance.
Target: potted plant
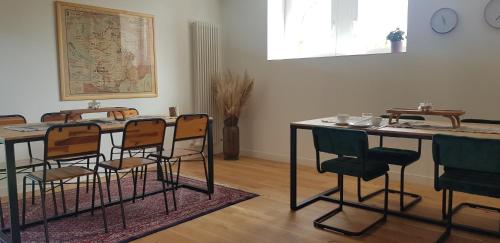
pixel 231 94
pixel 396 37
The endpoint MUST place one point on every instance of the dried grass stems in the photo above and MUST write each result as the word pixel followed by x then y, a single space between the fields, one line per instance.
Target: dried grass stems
pixel 232 93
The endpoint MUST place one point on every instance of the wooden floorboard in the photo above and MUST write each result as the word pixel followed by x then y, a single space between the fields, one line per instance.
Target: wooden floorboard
pixel 268 218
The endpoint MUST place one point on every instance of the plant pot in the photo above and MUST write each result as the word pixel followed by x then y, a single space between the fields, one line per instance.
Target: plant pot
pixel 231 139
pixel 396 46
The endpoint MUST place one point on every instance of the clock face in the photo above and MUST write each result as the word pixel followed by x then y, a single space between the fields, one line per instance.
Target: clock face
pixel 444 20
pixel 492 13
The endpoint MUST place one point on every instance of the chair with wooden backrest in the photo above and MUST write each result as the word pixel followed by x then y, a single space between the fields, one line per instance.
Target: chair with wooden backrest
pixel 60 117
pixel 121 116
pixel 21 165
pixel 137 135
pixel 187 127
pixel 351 147
pixel 471 165
pixel 399 157
pixel 62 142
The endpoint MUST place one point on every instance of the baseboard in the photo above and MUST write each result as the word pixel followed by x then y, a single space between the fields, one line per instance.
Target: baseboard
pixel 281 158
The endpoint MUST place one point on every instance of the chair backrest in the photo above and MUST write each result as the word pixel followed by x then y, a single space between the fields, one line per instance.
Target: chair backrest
pixel 467 153
pixel 416 118
pixel 481 121
pixel 72 140
pixel 342 142
pixel 141 134
pixel 12 120
pixel 191 126
pixel 60 117
pixel 123 115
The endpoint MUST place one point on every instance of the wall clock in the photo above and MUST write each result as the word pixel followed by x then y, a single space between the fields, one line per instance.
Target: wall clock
pixel 492 13
pixel 444 20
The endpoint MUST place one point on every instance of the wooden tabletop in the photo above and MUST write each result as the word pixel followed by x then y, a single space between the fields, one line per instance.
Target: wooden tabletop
pixel 10 135
pixel 491 131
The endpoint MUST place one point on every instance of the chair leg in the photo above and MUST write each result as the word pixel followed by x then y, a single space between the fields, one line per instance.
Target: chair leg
pixel 443 209
pixel 174 188
pixel 77 195
pixel 121 199
pixel 206 177
pixel 63 198
pixel 447 233
pixel 33 189
pixel 54 197
pixel 162 180
pixel 319 223
pixel 44 211
pixel 386 196
pixel 93 193
pixel 87 178
pixel 144 182
pixel 103 209
pixel 23 222
pixel 135 173
pixel 178 172
pixel 107 174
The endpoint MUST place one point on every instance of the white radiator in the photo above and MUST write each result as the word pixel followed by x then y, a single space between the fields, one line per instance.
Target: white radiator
pixel 205 46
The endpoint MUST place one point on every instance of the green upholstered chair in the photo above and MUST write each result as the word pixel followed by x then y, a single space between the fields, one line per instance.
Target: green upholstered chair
pixel 471 165
pixel 399 157
pixel 351 147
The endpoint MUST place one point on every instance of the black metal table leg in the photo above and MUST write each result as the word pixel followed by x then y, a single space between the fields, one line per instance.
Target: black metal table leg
pixel 293 168
pixel 12 187
pixel 210 157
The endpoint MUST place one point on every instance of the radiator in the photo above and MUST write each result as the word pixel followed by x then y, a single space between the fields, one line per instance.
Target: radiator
pixel 205 48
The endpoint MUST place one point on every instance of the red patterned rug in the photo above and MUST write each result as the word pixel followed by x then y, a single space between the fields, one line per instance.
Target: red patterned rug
pixel 143 217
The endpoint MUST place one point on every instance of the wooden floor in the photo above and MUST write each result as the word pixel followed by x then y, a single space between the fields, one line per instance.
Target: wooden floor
pixel 268 218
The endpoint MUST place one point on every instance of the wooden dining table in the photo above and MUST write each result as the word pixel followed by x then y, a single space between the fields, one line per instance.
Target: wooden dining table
pixel 425 132
pixel 9 138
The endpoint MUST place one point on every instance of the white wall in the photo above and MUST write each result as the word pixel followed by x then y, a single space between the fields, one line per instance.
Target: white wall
pixel 459 70
pixel 28 54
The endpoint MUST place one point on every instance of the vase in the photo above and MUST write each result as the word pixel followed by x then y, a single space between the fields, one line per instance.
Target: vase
pixel 231 139
pixel 396 46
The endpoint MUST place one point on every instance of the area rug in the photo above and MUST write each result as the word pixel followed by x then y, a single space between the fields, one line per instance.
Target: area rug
pixel 143 217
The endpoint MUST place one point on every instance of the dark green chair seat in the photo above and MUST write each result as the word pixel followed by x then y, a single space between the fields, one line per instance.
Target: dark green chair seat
pixel 471 165
pixel 354 167
pixel 479 183
pixel 394 156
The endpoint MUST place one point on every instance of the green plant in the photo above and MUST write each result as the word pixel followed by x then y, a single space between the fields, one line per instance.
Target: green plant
pixel 396 35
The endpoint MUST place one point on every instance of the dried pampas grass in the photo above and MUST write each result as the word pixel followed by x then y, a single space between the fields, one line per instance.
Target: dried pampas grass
pixel 232 93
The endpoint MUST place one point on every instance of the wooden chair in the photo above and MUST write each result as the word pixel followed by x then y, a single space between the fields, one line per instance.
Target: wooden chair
pixel 21 165
pixel 137 135
pixel 187 127
pixel 62 142
pixel 398 157
pixel 60 117
pixel 121 116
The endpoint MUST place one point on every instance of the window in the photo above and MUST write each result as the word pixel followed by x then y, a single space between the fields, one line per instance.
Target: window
pixel 316 28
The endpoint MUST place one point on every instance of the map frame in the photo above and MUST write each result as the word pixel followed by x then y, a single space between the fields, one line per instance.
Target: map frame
pixel 64 65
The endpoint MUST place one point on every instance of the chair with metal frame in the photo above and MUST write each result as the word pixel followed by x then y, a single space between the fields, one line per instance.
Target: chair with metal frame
pixel 122 116
pixel 61 142
pixel 399 157
pixel 467 204
pixel 188 127
pixel 138 134
pixel 351 147
pixel 471 165
pixel 60 117
pixel 21 165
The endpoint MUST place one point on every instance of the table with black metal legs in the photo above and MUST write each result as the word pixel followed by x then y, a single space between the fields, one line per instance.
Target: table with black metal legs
pixel 9 138
pixel 387 132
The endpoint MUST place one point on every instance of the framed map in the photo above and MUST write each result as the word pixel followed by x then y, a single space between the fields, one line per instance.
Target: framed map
pixel 105 53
